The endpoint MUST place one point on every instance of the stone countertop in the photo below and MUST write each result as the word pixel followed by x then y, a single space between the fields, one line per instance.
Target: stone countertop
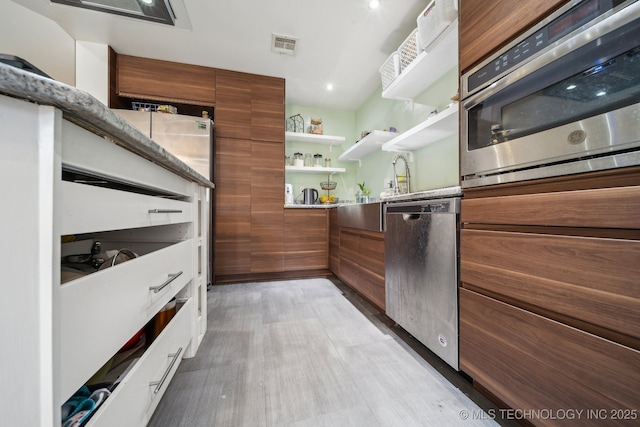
pixel 436 193
pixel 86 111
pixel 319 206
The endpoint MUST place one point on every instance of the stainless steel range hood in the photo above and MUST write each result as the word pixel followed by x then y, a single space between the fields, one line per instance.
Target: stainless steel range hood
pixel 159 11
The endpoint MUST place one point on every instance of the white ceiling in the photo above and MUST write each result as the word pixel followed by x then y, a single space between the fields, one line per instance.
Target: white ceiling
pixel 340 41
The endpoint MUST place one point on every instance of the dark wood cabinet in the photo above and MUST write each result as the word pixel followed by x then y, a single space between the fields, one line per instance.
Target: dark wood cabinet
pixel 240 101
pixel 267 206
pixel 486 26
pixel 536 364
pixel 334 242
pixel 233 206
pixel 153 79
pixel 267 109
pixel 306 239
pixel 249 152
pixel 361 255
pixel 232 114
pixel 550 304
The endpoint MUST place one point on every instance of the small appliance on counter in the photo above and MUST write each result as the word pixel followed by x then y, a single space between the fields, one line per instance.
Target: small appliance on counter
pixel 310 196
pixel 288 194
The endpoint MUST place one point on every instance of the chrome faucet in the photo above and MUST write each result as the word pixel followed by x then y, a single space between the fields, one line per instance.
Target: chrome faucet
pixel 407 176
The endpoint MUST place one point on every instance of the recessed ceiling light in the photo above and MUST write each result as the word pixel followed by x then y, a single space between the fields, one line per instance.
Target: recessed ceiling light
pixel 329 86
pixel 147 1
pixel 373 4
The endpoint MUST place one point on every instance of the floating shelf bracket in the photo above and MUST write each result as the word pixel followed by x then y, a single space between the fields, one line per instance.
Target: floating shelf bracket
pixel 409 101
pixel 401 151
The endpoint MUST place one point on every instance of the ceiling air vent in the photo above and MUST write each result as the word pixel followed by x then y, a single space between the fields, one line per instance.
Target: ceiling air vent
pixel 285 45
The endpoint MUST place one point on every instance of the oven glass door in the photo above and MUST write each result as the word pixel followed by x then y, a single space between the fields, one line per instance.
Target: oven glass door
pixel 598 77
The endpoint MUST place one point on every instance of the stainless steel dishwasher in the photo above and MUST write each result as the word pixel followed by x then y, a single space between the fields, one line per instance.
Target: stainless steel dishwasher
pixel 421 268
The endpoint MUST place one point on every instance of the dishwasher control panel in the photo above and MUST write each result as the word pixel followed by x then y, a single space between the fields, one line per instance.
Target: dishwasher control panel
pixel 425 206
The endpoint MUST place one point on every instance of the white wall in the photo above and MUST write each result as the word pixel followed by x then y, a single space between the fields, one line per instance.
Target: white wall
pixel 38 40
pixel 92 69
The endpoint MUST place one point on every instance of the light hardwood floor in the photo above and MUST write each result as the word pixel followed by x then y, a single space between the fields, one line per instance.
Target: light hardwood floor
pixel 309 352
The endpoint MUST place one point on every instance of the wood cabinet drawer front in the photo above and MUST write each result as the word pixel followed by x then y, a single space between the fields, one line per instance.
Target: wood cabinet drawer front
pixel 371 252
pixel 134 400
pixel 600 208
pixel 89 208
pixel 371 286
pixel 306 260
pixel 531 362
pixel 102 311
pixel 594 280
pixel 305 230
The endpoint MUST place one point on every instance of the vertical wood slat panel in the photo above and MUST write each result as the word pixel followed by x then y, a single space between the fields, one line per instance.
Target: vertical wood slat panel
pixel 232 114
pixel 233 206
pixel 267 206
pixel 267 109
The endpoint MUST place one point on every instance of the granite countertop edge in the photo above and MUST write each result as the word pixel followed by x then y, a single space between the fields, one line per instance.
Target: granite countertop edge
pixel 86 111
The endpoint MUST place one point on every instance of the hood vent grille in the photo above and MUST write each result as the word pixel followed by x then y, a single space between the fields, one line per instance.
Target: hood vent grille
pixel 159 11
pixel 285 45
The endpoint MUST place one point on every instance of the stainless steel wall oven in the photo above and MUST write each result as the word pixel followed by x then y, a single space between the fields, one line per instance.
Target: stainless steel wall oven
pixel 563 98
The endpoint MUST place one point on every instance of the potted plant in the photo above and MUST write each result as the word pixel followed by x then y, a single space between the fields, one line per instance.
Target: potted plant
pixel 362 196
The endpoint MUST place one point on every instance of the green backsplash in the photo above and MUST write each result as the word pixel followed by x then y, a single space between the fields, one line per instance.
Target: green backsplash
pixel 433 166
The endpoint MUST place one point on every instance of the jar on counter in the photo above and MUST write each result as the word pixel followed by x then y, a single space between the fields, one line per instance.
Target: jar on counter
pixel 308 160
pixel 317 160
pixel 297 159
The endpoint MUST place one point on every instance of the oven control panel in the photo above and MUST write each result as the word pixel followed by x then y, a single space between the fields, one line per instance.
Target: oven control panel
pixel 539 40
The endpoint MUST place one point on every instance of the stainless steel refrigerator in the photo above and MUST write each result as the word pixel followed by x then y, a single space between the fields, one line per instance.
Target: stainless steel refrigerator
pixel 189 138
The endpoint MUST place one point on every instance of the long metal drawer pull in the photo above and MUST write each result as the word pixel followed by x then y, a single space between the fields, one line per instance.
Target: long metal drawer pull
pixel 158 384
pixel 171 278
pixel 165 210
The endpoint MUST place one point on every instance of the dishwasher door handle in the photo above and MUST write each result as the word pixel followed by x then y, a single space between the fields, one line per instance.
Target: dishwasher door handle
pixel 410 216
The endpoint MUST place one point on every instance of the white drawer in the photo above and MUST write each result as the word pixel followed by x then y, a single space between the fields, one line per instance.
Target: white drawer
pixel 132 403
pixel 102 311
pixel 85 151
pixel 87 208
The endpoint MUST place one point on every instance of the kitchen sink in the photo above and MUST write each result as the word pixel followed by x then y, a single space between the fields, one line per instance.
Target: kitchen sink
pixel 363 216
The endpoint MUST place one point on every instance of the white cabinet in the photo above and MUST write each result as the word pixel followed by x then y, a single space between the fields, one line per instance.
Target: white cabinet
pixel 57 335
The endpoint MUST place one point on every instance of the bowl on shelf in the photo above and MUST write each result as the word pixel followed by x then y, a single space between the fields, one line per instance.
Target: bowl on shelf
pixel 328 185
